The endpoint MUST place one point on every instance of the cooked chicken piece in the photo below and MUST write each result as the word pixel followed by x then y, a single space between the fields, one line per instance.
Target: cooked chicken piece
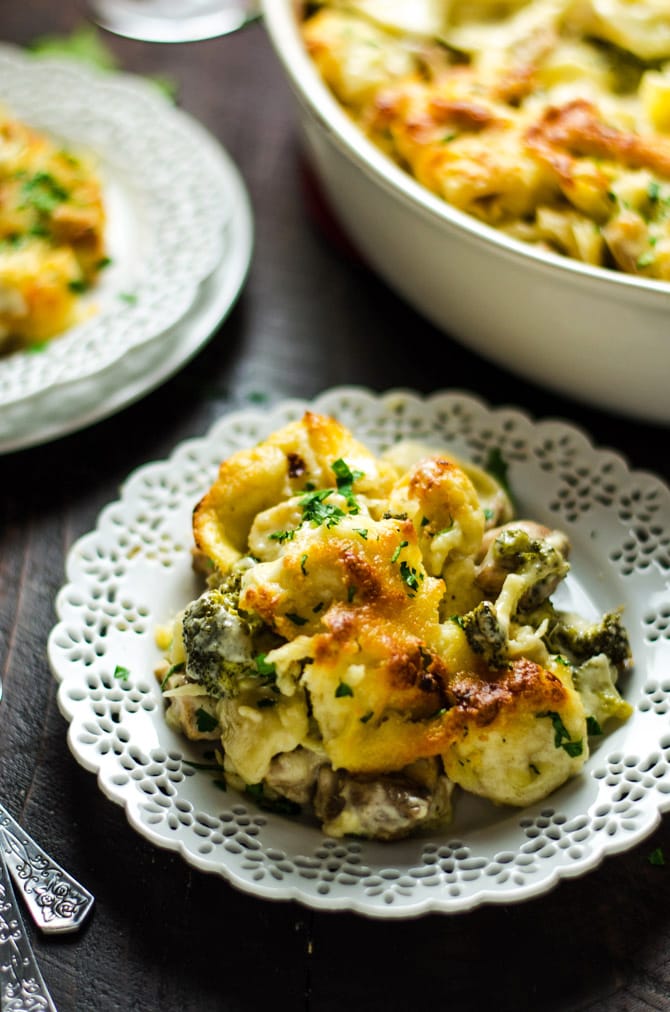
pixel 294 774
pixel 386 807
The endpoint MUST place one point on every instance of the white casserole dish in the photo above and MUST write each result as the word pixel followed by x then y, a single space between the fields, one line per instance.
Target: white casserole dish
pixel 588 332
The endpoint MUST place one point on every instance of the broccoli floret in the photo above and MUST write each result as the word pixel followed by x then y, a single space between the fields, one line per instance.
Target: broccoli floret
pixel 515 551
pixel 581 641
pixel 485 634
pixel 222 643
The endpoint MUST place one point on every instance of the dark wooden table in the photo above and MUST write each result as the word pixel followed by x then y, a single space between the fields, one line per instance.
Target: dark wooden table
pixel 166 937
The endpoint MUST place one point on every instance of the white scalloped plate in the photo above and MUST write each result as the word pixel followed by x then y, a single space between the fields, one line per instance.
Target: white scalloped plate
pixel 134 571
pixel 168 199
pixel 41 419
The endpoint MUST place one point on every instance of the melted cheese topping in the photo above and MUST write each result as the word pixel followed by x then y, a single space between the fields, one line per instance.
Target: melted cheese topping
pixel 400 661
pixel 547 119
pixel 51 234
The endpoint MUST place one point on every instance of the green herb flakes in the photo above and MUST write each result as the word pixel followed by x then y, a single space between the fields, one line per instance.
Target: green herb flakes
pixel 317 511
pixel 592 726
pixel 562 735
pixel 264 667
pixel 498 468
pixel 410 577
pixel 657 857
pixel 345 479
pixel 205 722
pixel 396 554
pixel 121 673
pixel 173 670
pixel 43 193
pixel 343 690
pixel 281 536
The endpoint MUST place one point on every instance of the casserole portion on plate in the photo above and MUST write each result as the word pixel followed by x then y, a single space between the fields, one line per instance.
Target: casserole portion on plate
pixel 376 631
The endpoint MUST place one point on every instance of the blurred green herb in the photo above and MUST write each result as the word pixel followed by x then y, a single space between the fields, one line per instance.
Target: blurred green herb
pixel 86 44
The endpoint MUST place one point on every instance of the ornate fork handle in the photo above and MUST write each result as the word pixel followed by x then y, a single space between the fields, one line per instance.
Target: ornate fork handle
pixel 22 987
pixel 56 901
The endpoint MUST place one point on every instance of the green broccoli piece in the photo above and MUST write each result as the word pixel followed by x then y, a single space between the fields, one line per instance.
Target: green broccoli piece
pixel 580 641
pixel 223 643
pixel 515 551
pixel 485 635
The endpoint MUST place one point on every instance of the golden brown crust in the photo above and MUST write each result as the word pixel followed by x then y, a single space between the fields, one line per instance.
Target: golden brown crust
pixel 578 128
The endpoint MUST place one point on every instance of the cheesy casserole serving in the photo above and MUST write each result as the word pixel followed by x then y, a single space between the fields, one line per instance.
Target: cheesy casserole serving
pixel 375 632
pixel 547 119
pixel 52 243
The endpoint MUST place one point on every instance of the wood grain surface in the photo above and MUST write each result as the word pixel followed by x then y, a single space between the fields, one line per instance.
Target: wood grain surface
pixel 164 936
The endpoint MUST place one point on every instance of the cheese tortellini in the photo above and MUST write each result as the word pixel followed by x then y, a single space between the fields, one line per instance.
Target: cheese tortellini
pixel 376 632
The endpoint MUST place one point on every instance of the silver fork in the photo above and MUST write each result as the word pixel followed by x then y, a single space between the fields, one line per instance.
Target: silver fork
pixel 22 986
pixel 55 900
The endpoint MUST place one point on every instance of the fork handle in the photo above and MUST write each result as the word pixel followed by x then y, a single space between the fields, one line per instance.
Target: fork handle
pixel 22 987
pixel 55 900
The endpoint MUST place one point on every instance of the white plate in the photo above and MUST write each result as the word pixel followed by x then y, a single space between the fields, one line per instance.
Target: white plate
pixel 134 571
pixel 168 199
pixel 90 398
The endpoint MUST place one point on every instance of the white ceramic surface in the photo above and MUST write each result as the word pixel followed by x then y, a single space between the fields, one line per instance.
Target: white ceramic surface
pixel 593 334
pixel 133 572
pixel 59 410
pixel 168 200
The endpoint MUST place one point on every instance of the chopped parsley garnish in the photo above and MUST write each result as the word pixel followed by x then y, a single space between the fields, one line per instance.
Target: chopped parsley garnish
pixel 317 511
pixel 424 521
pixel 121 673
pixel 205 722
pixel 173 670
pixel 42 192
pixel 362 532
pixel 280 805
pixel 410 577
pixel 562 735
pixel 654 191
pixel 295 618
pixel 343 690
pixel 128 297
pixel 303 562
pixel 318 607
pixel 403 544
pixel 657 857
pixel 592 726
pixel 367 716
pixel 282 536
pixel 103 262
pixel 351 593
pixel 78 285
pixel 498 468
pixel 533 768
pixel 345 479
pixel 448 528
pixel 265 668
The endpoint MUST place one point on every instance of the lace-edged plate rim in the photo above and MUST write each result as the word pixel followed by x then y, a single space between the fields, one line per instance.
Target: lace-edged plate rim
pixel 167 191
pixel 133 572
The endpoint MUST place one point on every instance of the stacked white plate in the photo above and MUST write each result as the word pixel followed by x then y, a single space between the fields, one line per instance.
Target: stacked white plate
pixel 179 238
